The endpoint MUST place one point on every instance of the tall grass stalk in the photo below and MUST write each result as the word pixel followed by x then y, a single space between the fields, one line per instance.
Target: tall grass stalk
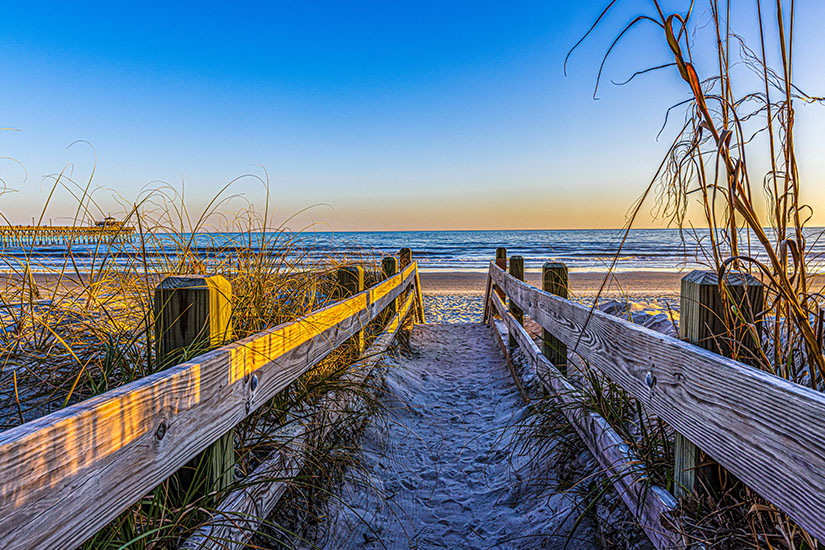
pixel 739 114
pixel 741 109
pixel 84 325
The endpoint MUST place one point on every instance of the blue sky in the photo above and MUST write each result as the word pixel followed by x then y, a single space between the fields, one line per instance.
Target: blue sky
pixel 402 115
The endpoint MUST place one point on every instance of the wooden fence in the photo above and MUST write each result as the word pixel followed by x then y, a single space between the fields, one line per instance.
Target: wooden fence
pixel 767 431
pixel 68 474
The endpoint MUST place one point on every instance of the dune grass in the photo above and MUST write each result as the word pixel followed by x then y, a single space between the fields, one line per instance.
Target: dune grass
pixel 738 115
pixel 84 325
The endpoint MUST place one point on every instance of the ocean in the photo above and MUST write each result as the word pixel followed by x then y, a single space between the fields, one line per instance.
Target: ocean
pixel 580 249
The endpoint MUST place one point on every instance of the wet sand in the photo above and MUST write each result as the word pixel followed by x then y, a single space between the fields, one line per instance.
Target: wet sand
pixel 633 284
pixel 582 284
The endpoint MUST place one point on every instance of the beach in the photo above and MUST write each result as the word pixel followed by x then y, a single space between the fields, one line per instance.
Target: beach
pixel 457 296
pixel 642 296
pixel 582 284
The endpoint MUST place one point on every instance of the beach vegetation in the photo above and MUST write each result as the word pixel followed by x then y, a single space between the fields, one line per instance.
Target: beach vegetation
pixel 80 322
pixel 731 167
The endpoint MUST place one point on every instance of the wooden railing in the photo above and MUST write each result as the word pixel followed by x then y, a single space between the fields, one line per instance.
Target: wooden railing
pixel 235 521
pixel 767 431
pixel 68 474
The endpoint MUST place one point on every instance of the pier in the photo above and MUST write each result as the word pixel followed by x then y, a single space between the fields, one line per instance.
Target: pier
pixel 106 231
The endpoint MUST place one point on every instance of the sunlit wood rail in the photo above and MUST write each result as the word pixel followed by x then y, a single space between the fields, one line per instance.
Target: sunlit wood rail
pixel 45 235
pixel 237 518
pixel 652 506
pixel 767 431
pixel 67 474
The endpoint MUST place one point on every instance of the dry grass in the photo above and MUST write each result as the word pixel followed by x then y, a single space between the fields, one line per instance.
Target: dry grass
pixel 742 108
pixel 85 325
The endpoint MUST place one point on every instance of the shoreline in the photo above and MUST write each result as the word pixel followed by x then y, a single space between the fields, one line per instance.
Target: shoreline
pixel 631 283
pixel 583 284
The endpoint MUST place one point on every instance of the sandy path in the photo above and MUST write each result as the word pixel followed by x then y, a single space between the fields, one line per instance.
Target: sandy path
pixel 442 463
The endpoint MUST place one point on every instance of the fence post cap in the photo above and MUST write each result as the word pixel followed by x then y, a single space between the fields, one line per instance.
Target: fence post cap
pixel 171 282
pixel 710 277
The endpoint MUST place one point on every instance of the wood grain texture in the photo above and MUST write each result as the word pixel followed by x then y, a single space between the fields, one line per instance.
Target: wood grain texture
pixel 502 337
pixel 116 447
pixel 516 271
pixel 193 312
pixel 236 519
pixel 767 431
pixel 703 312
pixel 554 280
pixel 651 505
pixel 731 327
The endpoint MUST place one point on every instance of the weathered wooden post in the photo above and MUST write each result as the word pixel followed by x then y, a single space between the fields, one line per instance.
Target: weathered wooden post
pixel 389 266
pixel 501 262
pixel 405 258
pixel 703 314
pixel 554 280
pixel 192 315
pixel 517 271
pixel 351 282
pixel 501 257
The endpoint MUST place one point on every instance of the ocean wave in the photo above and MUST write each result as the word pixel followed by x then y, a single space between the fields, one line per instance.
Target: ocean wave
pixel 644 249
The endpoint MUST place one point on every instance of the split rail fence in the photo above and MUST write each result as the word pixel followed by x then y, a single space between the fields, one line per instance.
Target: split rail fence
pixel 768 432
pixel 68 474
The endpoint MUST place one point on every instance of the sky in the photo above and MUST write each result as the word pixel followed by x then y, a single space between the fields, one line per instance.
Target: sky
pixel 360 115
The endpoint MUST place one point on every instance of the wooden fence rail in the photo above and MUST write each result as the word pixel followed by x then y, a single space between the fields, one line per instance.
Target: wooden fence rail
pixel 767 431
pixel 67 474
pixel 235 521
pixel 651 505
